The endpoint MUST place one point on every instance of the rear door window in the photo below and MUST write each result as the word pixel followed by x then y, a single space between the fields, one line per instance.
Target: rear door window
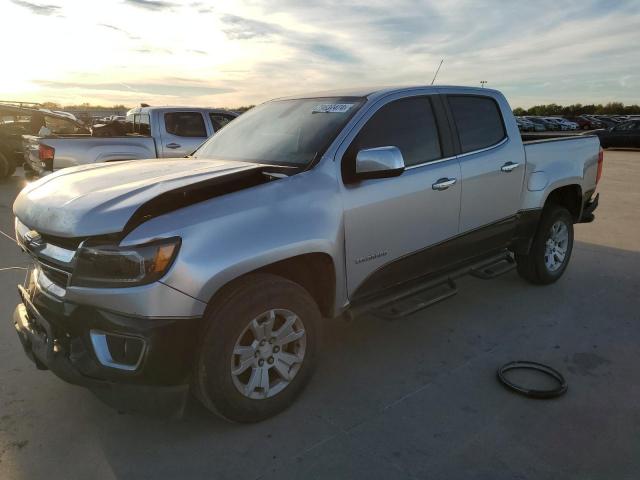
pixel 185 124
pixel 408 124
pixel 478 121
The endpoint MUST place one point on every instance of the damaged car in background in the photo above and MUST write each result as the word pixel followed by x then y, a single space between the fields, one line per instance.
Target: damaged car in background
pixel 212 274
pixel 17 120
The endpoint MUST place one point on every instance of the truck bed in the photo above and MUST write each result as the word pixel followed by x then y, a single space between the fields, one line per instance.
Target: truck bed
pixel 72 150
pixel 561 159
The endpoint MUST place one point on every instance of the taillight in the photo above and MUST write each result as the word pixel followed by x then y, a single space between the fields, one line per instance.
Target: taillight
pixel 46 152
pixel 600 161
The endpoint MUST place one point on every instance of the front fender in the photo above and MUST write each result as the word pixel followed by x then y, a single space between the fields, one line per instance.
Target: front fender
pixel 226 237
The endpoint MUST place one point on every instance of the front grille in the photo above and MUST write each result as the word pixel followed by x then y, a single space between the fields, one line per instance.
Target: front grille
pixel 57 275
pixel 67 243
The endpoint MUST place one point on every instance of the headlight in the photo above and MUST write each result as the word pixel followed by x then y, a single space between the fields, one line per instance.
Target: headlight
pixel 113 266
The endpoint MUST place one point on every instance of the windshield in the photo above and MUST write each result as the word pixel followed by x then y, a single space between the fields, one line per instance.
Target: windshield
pixel 282 132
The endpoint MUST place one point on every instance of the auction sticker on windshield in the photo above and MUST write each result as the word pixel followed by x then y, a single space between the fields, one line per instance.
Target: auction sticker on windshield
pixel 332 108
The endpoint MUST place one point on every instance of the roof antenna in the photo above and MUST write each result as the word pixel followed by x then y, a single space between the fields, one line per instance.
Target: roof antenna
pixel 436 74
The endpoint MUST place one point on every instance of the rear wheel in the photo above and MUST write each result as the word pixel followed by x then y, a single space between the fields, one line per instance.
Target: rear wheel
pixel 259 348
pixel 551 249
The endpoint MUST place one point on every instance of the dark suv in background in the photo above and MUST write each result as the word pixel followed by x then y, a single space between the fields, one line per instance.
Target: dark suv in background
pixel 623 135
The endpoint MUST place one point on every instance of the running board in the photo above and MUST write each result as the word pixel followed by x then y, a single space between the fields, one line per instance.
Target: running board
pixel 405 299
pixel 494 269
pixel 414 302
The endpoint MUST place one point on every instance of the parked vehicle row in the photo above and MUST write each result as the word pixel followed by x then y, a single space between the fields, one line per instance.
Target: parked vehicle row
pixel 538 124
pixel 581 122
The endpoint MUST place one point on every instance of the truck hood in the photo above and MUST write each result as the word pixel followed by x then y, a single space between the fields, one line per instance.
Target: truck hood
pixel 104 198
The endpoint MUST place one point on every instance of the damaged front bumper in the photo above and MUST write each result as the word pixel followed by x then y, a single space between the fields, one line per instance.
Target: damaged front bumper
pixel 133 364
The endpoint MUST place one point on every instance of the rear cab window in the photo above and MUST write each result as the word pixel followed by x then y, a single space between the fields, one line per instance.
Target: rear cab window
pixel 408 124
pixel 185 124
pixel 138 124
pixel 219 120
pixel 478 121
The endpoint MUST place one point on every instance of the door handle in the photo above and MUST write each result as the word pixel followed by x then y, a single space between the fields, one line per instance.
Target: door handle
pixel 173 145
pixel 509 166
pixel 443 183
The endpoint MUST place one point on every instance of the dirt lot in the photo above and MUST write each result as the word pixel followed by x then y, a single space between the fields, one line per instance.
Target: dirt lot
pixel 415 398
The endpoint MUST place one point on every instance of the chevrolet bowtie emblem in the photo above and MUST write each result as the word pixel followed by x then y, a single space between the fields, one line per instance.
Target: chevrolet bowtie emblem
pixel 33 239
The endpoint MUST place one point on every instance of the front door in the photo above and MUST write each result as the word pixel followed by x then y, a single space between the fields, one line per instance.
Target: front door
pixel 390 223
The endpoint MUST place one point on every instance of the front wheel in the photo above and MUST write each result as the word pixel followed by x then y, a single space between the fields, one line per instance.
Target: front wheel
pixel 259 348
pixel 551 248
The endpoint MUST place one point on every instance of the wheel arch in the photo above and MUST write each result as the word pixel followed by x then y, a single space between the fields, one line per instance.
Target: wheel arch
pixel 568 196
pixel 315 272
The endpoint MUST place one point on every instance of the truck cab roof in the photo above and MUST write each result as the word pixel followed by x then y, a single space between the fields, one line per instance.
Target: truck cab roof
pixel 174 108
pixel 374 92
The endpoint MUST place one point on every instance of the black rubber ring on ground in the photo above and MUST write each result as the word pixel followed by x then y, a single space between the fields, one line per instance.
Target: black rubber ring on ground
pixel 530 392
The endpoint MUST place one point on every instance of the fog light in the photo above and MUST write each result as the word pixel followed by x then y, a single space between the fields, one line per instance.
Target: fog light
pixel 118 351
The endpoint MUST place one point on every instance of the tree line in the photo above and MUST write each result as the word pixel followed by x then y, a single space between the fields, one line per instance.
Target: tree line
pixel 553 109
pixel 88 106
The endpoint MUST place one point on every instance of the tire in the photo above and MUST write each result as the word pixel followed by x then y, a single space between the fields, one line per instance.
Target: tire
pixel 5 167
pixel 538 267
pixel 12 169
pixel 227 330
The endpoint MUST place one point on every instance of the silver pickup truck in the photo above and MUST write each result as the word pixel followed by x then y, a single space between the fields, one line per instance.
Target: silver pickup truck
pixel 148 132
pixel 212 274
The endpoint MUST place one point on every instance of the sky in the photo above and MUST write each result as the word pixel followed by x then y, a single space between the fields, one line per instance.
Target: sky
pixel 234 53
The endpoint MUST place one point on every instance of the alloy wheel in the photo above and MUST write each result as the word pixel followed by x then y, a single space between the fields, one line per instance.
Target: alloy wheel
pixel 268 354
pixel 556 246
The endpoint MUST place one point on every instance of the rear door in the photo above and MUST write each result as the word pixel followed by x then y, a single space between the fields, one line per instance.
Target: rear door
pixel 390 223
pixel 492 165
pixel 182 132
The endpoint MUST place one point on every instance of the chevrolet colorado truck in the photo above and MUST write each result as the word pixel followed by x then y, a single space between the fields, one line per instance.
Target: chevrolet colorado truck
pixel 148 132
pixel 211 274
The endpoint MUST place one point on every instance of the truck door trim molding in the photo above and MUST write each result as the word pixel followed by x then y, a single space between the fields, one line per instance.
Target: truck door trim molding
pixel 510 231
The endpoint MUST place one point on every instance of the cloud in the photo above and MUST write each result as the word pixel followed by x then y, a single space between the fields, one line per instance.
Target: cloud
pixel 167 89
pixel 240 28
pixel 154 5
pixel 39 9
pixel 120 30
pixel 202 7
pixel 313 45
pixel 518 47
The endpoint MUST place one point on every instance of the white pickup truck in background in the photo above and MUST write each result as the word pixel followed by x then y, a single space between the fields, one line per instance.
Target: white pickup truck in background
pixel 152 132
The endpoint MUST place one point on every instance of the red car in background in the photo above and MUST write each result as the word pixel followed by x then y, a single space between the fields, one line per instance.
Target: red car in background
pixel 585 123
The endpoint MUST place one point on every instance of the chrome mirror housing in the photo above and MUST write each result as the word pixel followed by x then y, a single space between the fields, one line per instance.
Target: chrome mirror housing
pixel 379 162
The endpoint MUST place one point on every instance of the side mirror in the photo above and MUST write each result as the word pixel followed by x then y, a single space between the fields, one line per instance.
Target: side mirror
pixel 379 162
